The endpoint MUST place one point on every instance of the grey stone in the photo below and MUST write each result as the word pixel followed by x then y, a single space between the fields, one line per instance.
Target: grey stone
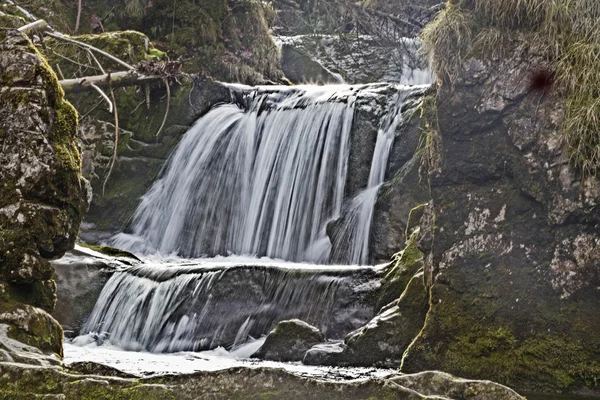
pixel 289 341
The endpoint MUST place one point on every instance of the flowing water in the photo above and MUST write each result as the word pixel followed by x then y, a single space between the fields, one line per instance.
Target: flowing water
pixel 265 178
pixel 351 240
pixel 221 303
pixel 259 178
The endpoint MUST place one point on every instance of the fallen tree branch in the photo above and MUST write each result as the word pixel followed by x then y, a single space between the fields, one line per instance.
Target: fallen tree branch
pixel 117 79
pixel 39 24
pixel 166 82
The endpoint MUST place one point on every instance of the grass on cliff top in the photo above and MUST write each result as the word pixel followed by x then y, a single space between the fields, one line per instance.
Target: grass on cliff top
pixel 568 31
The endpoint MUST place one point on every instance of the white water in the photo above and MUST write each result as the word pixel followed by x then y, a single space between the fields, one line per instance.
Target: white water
pixel 147 364
pixel 266 179
pixel 262 180
pixel 351 241
pixel 203 305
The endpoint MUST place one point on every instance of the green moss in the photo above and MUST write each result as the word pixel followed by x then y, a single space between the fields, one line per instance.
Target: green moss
pixel 41 294
pixel 401 270
pixel 109 251
pixel 34 328
pixel 155 54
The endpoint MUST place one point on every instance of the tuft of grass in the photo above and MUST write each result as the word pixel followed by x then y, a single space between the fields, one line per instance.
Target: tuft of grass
pixel 569 32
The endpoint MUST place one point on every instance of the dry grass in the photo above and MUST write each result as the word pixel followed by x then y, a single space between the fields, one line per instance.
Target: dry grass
pixel 569 31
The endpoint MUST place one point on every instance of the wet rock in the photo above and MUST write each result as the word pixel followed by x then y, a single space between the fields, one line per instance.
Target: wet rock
pixel 19 381
pixel 355 59
pixel 324 354
pixel 384 339
pixel 289 341
pixel 300 68
pixel 230 305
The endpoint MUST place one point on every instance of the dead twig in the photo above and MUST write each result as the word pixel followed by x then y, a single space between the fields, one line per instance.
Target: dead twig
pixel 114 157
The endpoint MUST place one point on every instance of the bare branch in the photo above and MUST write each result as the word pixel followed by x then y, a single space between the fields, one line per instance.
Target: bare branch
pixel 166 82
pixel 79 6
pixel 123 78
pixel 114 157
pixel 39 24
pixel 104 96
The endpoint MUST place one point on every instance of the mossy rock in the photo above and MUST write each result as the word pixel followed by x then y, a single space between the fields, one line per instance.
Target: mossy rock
pixel 32 326
pixel 383 341
pixel 400 271
pixel 130 46
pixel 19 381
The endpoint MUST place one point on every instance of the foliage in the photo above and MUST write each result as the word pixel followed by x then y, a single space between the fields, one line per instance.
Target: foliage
pixel 566 30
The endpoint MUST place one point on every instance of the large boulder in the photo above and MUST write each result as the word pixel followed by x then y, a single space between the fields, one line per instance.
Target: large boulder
pixel 43 195
pixel 384 339
pixel 513 267
pixel 289 341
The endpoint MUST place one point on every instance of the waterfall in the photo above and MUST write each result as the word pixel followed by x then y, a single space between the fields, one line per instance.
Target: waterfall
pixel 170 308
pixel 351 239
pixel 258 180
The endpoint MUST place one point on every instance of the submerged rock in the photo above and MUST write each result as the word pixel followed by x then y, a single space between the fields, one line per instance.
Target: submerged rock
pixel 324 354
pixel 289 341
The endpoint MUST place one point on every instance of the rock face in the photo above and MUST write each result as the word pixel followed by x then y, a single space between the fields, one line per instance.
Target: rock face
pixel 300 67
pixel 43 196
pixel 330 58
pixel 289 341
pixel 513 271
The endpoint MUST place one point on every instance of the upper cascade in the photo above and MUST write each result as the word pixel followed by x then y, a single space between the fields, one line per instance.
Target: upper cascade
pixel 263 177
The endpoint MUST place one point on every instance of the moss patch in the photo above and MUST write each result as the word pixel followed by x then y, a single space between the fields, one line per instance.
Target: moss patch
pixel 398 274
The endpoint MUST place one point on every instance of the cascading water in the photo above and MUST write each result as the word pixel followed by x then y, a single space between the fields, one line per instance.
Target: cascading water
pixel 262 178
pixel 351 240
pixel 266 179
pixel 260 181
pixel 162 308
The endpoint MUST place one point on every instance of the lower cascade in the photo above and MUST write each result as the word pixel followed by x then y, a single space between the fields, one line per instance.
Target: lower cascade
pixel 171 308
pixel 264 178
